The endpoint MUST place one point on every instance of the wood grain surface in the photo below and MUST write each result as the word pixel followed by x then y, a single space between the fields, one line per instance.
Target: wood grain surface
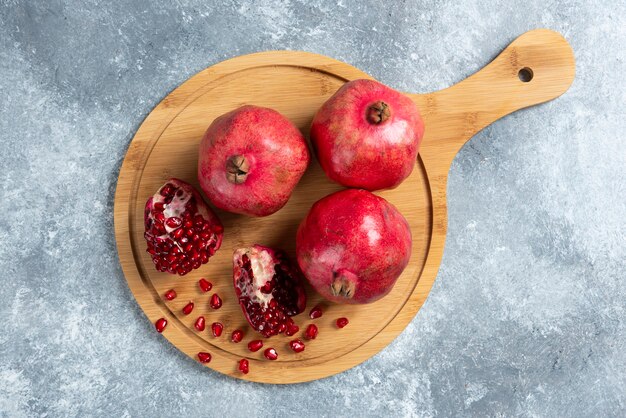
pixel 296 84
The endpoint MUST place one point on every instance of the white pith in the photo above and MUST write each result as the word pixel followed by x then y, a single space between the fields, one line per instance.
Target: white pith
pixel 262 265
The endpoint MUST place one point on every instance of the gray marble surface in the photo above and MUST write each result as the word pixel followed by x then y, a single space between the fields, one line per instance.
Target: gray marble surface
pixel 526 316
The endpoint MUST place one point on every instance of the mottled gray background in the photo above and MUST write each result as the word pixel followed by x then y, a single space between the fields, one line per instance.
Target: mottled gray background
pixel 526 316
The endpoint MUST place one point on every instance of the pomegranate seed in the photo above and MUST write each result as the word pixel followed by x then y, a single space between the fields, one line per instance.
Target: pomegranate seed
pixel 236 336
pixel 270 354
pixel 173 222
pixel 177 234
pixel 342 322
pixel 205 285
pixel 217 329
pixel 188 308
pixel 159 217
pixel 170 294
pixel 297 346
pixel 244 366
pixel 159 206
pixel 292 329
pixel 199 323
pixel 316 312
pixel 216 302
pixel 311 332
pixel 160 324
pixel 204 357
pixel 255 345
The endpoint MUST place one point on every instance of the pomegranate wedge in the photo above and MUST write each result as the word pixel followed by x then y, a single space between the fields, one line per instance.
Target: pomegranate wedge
pixel 269 288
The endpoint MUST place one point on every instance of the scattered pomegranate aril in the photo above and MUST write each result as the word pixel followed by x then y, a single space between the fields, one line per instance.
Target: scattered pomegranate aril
pixel 199 323
pixel 270 354
pixel 255 345
pixel 244 366
pixel 316 312
pixel 311 332
pixel 204 357
pixel 297 346
pixel 291 329
pixel 217 328
pixel 269 288
pixel 236 336
pixel 160 324
pixel 188 308
pixel 215 302
pixel 205 285
pixel 170 294
pixel 342 322
pixel 165 216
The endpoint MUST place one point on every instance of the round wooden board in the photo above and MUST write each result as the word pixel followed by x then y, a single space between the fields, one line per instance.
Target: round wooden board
pixel 296 84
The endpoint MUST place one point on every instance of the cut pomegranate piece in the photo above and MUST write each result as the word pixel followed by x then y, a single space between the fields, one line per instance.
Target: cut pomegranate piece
pixel 311 332
pixel 160 324
pixel 316 312
pixel 170 294
pixel 297 346
pixel 342 322
pixel 216 301
pixel 244 366
pixel 236 336
pixel 270 354
pixel 172 215
pixel 200 323
pixel 204 357
pixel 255 345
pixel 217 329
pixel 188 308
pixel 269 288
pixel 205 285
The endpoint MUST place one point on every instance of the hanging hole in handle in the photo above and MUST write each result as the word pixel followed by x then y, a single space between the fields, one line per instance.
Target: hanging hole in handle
pixel 525 75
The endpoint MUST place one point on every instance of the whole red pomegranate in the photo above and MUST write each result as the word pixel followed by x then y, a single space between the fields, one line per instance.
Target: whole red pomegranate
pixel 182 232
pixel 367 135
pixel 269 288
pixel 250 161
pixel 352 246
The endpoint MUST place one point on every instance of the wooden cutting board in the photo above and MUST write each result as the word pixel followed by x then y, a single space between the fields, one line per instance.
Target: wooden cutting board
pixel 537 67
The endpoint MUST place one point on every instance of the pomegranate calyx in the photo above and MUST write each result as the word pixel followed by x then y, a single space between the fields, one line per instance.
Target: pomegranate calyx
pixel 344 284
pixel 237 168
pixel 378 112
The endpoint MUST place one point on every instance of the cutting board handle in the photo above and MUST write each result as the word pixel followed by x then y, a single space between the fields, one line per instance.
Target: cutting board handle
pixel 536 67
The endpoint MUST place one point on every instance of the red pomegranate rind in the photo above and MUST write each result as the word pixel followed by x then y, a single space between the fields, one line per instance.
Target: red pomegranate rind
pixel 269 288
pixel 181 231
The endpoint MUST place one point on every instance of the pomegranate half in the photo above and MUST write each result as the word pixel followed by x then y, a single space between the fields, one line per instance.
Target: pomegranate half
pixel 250 160
pixel 269 287
pixel 352 246
pixel 182 232
pixel 367 135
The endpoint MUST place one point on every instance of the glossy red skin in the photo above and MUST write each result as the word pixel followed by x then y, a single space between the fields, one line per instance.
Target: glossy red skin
pixel 275 149
pixel 357 153
pixel 353 231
